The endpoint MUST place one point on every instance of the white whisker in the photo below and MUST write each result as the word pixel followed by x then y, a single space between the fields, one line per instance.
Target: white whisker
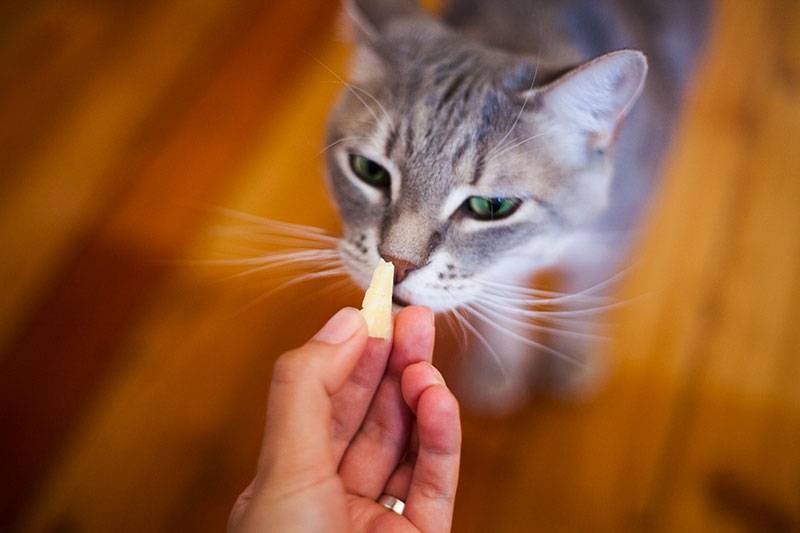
pixel 526 300
pixel 483 341
pixel 352 90
pixel 284 263
pixel 524 105
pixel 276 257
pixel 519 143
pixel 275 239
pixel 496 311
pixel 459 333
pixel 575 313
pixel 586 294
pixel 383 109
pixel 488 321
pixel 334 143
pixel 332 272
pixel 335 287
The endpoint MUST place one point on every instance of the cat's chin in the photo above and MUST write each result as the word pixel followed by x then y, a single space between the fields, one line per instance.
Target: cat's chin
pixel 399 303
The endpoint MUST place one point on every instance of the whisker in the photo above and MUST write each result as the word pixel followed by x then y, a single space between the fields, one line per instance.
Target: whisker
pixel 459 333
pixel 563 296
pixel 510 287
pixel 279 240
pixel 334 143
pixel 522 339
pixel 266 295
pixel 524 105
pixel 543 301
pixel 574 313
pixel 332 272
pixel 383 109
pixel 335 287
pixel 519 143
pixel 284 263
pixel 290 255
pixel 483 341
pixel 493 311
pixel 351 89
pixel 545 318
pixel 268 224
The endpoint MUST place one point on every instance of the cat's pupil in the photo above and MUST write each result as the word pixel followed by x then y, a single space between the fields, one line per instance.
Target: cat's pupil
pixel 369 171
pixel 491 208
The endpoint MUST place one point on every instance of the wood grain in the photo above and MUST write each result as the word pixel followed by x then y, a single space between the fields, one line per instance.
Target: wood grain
pixel 132 385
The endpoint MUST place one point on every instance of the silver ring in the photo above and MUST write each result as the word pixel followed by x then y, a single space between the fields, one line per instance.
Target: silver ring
pixel 390 502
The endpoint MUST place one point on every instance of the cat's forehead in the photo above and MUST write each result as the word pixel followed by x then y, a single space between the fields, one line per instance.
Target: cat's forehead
pixel 446 118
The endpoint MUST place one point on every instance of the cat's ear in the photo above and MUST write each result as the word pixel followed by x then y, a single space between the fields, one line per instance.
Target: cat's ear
pixel 372 18
pixel 370 23
pixel 597 96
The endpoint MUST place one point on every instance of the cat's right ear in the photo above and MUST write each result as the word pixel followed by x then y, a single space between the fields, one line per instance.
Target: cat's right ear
pixel 596 97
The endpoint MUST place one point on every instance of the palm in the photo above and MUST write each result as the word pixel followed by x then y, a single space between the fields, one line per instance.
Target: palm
pixel 368 516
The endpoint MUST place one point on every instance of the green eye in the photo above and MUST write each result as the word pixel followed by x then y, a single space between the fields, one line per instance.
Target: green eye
pixel 369 171
pixel 492 208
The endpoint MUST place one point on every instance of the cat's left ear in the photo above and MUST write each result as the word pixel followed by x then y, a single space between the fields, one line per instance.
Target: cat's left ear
pixel 371 24
pixel 372 18
pixel 597 96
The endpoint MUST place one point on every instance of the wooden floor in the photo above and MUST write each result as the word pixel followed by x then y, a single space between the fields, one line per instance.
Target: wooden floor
pixel 132 385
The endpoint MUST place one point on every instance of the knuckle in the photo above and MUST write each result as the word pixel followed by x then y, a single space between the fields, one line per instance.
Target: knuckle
pixel 430 490
pixel 290 366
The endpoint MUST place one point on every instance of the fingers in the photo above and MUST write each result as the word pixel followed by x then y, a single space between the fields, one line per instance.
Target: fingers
pixel 350 404
pixel 432 488
pixel 383 437
pixel 297 435
pixel 400 479
pixel 414 333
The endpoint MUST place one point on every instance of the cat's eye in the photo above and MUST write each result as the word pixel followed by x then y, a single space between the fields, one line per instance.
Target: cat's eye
pixel 369 171
pixel 491 208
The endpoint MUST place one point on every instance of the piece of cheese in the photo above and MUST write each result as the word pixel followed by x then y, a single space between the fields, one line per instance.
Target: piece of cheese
pixel 377 305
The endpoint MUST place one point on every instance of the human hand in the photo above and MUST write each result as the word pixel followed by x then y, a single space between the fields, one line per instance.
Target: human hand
pixel 350 419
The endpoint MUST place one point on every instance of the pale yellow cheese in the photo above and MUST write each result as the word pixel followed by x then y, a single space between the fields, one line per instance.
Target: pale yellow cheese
pixel 377 305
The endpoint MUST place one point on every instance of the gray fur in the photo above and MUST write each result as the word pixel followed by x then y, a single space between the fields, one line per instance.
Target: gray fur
pixel 497 97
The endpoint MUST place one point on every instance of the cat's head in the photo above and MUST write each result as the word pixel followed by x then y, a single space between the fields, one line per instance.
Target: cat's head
pixel 457 162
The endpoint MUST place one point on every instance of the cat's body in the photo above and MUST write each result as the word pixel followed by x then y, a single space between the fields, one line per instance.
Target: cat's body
pixel 475 151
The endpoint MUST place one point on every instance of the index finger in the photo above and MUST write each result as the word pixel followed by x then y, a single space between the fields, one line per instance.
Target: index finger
pixel 350 404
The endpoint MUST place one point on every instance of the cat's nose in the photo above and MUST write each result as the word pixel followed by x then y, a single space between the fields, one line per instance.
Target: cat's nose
pixel 402 267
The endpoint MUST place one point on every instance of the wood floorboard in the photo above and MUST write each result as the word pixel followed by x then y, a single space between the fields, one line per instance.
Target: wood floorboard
pixel 51 63
pixel 132 386
pixel 109 282
pixel 70 182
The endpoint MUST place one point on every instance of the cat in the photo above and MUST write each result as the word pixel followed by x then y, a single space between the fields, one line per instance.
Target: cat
pixel 502 138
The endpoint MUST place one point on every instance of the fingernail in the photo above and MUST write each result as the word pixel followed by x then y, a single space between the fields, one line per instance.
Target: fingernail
pixel 340 327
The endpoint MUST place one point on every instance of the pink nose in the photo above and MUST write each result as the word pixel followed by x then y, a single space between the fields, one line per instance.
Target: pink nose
pixel 402 268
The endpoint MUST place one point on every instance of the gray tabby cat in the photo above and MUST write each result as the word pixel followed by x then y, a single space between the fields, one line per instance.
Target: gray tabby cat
pixel 474 150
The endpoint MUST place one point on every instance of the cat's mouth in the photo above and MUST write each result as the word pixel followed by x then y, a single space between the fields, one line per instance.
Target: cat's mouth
pixel 399 301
